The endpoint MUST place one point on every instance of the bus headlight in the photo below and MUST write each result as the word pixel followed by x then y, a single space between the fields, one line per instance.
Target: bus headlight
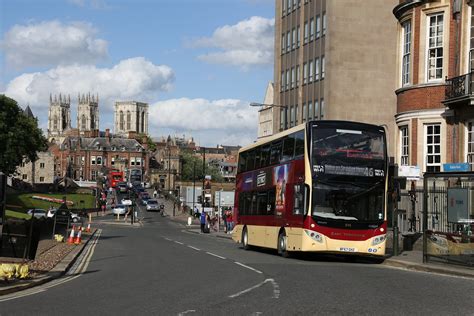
pixel 315 236
pixel 378 240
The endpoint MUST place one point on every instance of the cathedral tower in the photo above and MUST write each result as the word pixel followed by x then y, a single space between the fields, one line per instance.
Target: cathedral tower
pixel 59 116
pixel 88 113
pixel 131 116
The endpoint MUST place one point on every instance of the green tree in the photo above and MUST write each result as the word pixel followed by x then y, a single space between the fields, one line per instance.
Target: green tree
pixel 189 161
pixel 20 136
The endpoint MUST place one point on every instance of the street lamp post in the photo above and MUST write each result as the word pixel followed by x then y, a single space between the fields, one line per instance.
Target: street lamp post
pixel 274 106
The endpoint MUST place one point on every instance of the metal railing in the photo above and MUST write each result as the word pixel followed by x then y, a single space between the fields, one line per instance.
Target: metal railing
pixel 459 86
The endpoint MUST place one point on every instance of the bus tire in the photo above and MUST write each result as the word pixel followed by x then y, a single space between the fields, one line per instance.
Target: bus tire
pixel 245 239
pixel 282 251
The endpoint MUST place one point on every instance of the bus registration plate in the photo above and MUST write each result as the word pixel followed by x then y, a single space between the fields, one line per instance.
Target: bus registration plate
pixel 347 249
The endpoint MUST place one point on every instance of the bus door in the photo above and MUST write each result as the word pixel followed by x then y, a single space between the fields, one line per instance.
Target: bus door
pixel 295 215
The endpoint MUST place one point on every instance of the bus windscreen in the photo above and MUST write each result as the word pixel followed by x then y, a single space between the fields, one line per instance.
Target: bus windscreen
pixel 349 168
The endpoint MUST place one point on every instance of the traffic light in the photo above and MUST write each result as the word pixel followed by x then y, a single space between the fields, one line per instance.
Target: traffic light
pixel 199 199
pixel 207 202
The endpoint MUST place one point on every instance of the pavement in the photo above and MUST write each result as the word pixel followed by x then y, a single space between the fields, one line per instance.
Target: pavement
pixel 409 260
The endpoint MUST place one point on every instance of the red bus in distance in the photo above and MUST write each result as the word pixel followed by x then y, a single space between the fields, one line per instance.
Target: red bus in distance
pixel 115 177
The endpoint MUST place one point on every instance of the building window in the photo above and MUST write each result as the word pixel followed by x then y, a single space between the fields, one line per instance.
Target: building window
pixel 311 65
pixel 293 77
pixel 406 53
pixel 435 47
pixel 282 85
pixel 298 36
pixel 94 175
pixel 323 109
pixel 293 39
pixel 310 110
pixel 42 165
pixel 112 161
pixel 283 7
pixel 324 23
pixel 306 32
pixel 282 118
pixel 470 144
pixel 296 115
pixel 311 29
pixel 316 69
pixel 404 146
pixel 323 67
pixel 288 41
pixel 92 160
pixel 305 114
pixel 121 120
pixel 55 123
pixel 282 43
pixel 288 6
pixel 83 122
pixel 294 4
pixel 292 116
pixel 24 176
pixel 41 179
pixel 287 83
pixel 297 75
pixel 305 73
pixel 99 160
pixel 433 147
pixel 316 109
pixel 318 26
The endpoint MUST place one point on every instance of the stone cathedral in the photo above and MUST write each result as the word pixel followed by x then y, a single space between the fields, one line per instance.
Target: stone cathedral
pixel 59 115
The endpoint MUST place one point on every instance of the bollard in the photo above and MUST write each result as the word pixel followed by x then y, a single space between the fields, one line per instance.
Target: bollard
pixel 190 220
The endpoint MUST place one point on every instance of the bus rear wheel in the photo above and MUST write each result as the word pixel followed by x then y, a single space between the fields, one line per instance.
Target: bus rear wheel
pixel 245 239
pixel 282 245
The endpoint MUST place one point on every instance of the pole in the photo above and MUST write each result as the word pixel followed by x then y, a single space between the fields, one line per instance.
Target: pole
pixel 194 182
pixel 203 175
pixel 169 169
pixel 219 212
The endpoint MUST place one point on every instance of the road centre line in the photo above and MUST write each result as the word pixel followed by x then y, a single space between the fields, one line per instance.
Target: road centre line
pixel 276 289
pixel 245 266
pixel 194 248
pixel 213 254
pixel 178 242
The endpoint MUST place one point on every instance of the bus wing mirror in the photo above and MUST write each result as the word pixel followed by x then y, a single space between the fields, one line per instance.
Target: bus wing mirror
pixel 306 199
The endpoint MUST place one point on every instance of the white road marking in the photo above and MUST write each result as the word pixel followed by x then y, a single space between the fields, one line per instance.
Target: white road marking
pixel 178 242
pixel 276 289
pixel 76 271
pixel 213 254
pixel 168 239
pixel 186 312
pixel 194 248
pixel 245 266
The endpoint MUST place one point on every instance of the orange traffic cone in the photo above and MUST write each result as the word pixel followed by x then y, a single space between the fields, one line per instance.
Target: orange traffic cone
pixel 88 229
pixel 77 240
pixel 70 240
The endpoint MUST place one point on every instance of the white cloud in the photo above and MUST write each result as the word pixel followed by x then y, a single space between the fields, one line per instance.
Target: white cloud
pixel 247 43
pixel 211 122
pixel 134 78
pixel 52 43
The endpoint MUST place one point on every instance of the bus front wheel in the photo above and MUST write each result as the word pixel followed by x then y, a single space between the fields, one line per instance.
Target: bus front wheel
pixel 245 239
pixel 282 245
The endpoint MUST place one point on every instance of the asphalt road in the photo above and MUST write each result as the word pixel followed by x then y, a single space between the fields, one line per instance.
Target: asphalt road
pixel 162 269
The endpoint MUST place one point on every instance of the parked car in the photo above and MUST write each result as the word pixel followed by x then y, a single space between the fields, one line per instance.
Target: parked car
pixel 152 205
pixel 122 187
pixel 38 212
pixel 144 197
pixel 119 209
pixel 126 201
pixel 75 218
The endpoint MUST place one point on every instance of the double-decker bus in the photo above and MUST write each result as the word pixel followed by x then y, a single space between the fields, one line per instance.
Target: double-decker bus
pixel 115 177
pixel 135 175
pixel 317 187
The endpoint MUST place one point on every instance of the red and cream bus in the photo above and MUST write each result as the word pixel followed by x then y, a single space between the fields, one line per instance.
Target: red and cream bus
pixel 317 187
pixel 115 177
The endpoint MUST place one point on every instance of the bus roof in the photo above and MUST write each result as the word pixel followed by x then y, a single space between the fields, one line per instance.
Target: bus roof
pixel 271 138
pixel 300 127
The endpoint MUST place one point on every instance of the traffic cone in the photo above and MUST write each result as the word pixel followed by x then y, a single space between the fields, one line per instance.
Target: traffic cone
pixel 77 240
pixel 88 229
pixel 70 240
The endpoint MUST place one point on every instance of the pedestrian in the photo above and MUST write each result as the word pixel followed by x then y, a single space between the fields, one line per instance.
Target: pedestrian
pixel 229 222
pixel 155 194
pixel 224 218
pixel 196 212
pixel 203 221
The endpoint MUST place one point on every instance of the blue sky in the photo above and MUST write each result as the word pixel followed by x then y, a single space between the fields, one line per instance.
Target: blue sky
pixel 197 63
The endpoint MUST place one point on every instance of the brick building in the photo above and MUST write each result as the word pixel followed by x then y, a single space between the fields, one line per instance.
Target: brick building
pixel 434 96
